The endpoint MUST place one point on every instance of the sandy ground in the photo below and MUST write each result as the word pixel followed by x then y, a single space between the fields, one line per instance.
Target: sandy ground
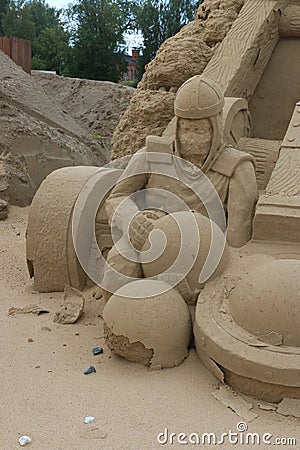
pixel 45 395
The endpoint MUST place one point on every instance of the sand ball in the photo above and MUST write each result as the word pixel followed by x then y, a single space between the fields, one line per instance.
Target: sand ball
pixel 266 302
pixel 189 244
pixel 147 322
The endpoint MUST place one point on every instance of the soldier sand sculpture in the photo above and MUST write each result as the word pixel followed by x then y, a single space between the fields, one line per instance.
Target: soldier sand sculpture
pixel 198 139
pixel 246 321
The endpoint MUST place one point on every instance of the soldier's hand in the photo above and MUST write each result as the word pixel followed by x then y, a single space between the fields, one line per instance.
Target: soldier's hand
pixel 139 229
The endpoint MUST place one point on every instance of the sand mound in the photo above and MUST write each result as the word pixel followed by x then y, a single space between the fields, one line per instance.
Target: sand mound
pixel 22 92
pixel 95 105
pixel 48 123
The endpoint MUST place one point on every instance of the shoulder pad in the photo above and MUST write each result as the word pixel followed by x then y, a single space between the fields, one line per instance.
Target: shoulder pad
pixel 159 149
pixel 159 144
pixel 229 159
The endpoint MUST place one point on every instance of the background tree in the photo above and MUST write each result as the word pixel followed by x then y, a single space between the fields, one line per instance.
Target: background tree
pixel 41 24
pixel 43 15
pixel 97 38
pixel 88 40
pixel 3 6
pixel 51 50
pixel 18 21
pixel 158 20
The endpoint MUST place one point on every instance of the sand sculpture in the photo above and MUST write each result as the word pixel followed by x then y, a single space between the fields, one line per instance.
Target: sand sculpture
pixel 247 326
pixel 155 330
pixel 168 226
pixel 198 107
pixel 260 356
pixel 270 369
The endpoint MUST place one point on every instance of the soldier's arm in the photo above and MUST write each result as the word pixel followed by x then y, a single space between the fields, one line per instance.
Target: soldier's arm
pixel 242 198
pixel 134 178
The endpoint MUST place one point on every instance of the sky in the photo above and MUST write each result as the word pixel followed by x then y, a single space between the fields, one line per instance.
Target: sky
pixel 58 3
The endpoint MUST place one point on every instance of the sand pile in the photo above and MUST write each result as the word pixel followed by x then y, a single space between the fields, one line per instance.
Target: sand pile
pixel 95 105
pixel 48 123
pixel 22 92
pixel 184 55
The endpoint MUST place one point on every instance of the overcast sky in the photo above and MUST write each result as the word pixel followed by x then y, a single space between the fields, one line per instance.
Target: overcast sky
pixel 58 3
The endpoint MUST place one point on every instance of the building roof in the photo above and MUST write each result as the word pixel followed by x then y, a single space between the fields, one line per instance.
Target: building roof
pixel 129 60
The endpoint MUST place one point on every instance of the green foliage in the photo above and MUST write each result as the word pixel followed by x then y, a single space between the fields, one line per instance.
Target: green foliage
pixel 37 63
pixel 43 15
pixel 52 48
pixel 158 20
pixel 18 20
pixel 105 144
pixel 3 6
pixel 36 21
pixel 97 38
pixel 89 42
pixel 132 83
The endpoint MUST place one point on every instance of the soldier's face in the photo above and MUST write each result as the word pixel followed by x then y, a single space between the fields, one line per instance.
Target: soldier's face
pixel 194 136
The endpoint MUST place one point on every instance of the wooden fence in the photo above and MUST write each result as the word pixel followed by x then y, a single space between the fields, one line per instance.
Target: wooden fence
pixel 19 50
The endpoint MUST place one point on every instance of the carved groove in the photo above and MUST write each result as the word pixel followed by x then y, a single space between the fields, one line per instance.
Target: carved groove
pixel 249 43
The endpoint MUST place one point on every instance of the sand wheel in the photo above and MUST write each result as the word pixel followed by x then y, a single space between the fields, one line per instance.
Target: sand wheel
pixel 50 253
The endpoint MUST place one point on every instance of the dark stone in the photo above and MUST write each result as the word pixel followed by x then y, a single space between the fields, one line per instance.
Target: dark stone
pixel 97 351
pixel 91 369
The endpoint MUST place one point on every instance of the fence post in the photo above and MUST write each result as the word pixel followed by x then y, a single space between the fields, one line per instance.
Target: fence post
pixel 19 50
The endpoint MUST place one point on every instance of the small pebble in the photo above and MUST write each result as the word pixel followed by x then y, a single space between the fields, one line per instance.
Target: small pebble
pixel 97 351
pixel 91 369
pixel 89 419
pixel 24 440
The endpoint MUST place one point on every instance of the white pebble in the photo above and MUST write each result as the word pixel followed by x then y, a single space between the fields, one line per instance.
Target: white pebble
pixel 24 440
pixel 89 419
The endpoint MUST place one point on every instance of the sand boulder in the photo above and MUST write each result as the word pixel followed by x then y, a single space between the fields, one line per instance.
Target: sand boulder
pixel 148 322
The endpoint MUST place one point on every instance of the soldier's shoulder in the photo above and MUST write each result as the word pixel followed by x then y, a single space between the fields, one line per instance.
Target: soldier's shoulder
pixel 141 150
pixel 229 159
pixel 160 144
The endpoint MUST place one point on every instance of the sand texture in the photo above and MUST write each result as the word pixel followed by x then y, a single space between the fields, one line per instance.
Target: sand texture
pixel 48 122
pixel 45 395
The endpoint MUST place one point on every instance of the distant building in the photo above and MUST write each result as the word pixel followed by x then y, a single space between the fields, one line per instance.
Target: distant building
pixel 132 62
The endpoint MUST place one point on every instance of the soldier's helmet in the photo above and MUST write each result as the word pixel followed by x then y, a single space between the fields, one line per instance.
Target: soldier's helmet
pixel 198 98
